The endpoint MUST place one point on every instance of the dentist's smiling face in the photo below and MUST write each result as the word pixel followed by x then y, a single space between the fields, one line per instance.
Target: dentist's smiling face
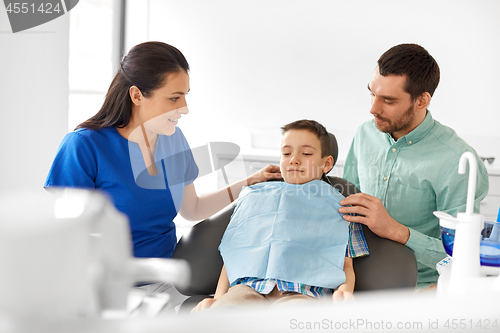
pixel 161 110
pixel 301 160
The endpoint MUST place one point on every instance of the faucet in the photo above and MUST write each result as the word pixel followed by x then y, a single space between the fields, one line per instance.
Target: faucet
pixel 466 264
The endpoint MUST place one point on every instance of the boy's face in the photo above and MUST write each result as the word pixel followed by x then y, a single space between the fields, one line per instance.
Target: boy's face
pixel 301 159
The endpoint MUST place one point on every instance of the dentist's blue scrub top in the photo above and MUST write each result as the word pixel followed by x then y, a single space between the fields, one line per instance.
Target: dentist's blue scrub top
pixel 103 159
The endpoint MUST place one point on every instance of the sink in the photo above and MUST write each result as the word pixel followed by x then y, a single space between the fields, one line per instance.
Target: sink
pixel 489 250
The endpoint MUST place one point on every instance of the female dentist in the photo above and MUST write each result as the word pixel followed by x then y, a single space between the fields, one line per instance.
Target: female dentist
pixel 132 150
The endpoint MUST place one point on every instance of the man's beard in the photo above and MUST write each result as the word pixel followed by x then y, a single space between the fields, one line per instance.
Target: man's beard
pixel 403 123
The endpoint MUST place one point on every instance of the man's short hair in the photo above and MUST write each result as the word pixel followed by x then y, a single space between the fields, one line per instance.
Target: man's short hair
pixel 412 60
pixel 314 127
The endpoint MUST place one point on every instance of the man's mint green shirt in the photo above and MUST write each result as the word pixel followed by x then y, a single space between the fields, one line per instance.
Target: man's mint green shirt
pixel 415 176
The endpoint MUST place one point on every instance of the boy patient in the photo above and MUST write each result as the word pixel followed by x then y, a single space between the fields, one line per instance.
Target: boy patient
pixel 286 241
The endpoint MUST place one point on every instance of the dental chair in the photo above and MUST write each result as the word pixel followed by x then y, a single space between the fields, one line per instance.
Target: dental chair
pixel 390 265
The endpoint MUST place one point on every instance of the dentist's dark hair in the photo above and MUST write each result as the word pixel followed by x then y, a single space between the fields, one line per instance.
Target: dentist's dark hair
pixel 146 66
pixel 421 70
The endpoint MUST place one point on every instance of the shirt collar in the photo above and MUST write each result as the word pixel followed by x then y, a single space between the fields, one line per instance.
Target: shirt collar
pixel 418 133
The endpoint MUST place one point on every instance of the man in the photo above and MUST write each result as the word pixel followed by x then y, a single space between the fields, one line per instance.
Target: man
pixel 406 163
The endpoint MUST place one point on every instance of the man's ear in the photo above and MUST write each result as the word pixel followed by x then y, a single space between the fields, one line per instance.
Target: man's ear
pixel 136 95
pixel 328 164
pixel 423 101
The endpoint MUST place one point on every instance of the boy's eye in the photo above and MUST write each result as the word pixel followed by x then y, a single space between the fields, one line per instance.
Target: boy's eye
pixel 307 154
pixel 175 99
pixel 285 154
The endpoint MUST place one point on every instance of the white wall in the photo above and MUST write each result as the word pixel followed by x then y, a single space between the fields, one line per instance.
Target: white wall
pixel 256 65
pixel 34 101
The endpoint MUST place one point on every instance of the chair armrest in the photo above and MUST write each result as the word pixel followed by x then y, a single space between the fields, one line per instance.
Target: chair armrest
pixel 390 265
pixel 200 248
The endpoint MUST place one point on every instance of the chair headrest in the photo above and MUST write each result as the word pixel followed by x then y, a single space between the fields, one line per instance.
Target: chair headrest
pixel 335 149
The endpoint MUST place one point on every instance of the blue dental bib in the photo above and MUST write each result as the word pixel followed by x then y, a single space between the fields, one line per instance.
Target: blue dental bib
pixel 288 232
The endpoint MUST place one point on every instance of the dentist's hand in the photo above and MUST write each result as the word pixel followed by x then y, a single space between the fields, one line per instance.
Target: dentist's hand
pixel 265 174
pixel 372 213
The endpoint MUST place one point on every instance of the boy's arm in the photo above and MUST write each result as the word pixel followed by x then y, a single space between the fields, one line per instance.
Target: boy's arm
pixel 222 288
pixel 223 284
pixel 345 290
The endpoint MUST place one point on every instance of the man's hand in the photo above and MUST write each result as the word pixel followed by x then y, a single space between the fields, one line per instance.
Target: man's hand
pixel 267 173
pixel 372 213
pixel 204 304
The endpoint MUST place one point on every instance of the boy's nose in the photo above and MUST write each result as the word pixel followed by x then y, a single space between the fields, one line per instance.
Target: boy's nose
pixel 294 160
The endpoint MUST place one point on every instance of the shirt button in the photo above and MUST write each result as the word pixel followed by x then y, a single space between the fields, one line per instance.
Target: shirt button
pixel 393 150
pixel 385 178
pixel 410 142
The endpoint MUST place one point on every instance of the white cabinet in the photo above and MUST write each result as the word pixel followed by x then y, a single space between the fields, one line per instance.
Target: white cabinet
pixel 489 206
pixel 245 165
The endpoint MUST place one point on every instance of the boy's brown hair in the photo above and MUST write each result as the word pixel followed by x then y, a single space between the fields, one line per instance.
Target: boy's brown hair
pixel 314 127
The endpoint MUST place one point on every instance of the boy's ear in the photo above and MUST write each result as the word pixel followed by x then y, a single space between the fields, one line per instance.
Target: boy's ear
pixel 328 164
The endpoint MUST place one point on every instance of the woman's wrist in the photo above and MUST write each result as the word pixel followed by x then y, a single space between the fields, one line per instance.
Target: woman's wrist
pixel 252 180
